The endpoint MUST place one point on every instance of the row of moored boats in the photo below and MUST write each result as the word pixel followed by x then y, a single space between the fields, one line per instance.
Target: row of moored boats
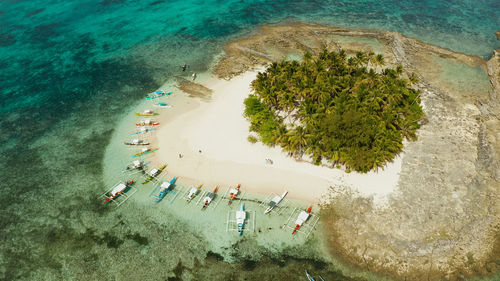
pixel 165 187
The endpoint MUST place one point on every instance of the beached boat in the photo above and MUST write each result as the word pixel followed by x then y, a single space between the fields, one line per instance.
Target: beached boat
pixel 148 122
pixel 192 193
pixel 153 174
pixel 276 200
pixel 162 104
pixel 158 94
pixel 208 198
pixel 241 215
pixel 137 142
pixel 309 276
pixel 164 189
pixel 147 112
pixel 136 165
pixel 233 192
pixel 145 151
pixel 117 190
pixel 303 216
pixel 143 130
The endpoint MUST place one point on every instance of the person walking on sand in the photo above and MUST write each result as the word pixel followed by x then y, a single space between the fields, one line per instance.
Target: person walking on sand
pixel 184 66
pixel 194 76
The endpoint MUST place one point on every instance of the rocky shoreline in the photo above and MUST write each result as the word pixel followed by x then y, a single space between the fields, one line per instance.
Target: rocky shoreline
pixel 443 221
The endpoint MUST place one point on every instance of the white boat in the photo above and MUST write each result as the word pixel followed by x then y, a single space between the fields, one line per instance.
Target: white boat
pixel 241 215
pixel 301 219
pixel 135 165
pixel 276 200
pixel 192 193
pixel 117 190
pixel 233 192
pixel 148 122
pixel 208 198
pixel 137 142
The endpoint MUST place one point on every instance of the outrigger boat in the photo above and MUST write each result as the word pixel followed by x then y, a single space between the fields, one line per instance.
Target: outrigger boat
pixel 233 192
pixel 153 174
pixel 276 200
pixel 241 215
pixel 210 196
pixel 137 142
pixel 158 94
pixel 192 193
pixel 146 112
pixel 303 216
pixel 309 276
pixel 145 151
pixel 148 122
pixel 117 190
pixel 143 131
pixel 162 104
pixel 139 165
pixel 164 189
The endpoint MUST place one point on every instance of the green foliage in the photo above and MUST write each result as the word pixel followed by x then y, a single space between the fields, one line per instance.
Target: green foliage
pixel 341 108
pixel 252 139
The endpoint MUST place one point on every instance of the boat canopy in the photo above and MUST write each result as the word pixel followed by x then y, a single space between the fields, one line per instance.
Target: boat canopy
pixel 144 129
pixel 165 185
pixel 148 111
pixel 137 163
pixel 118 188
pixel 147 121
pixel 153 172
pixel 303 216
pixel 240 216
pixel 159 92
pixel 277 199
pixel 144 149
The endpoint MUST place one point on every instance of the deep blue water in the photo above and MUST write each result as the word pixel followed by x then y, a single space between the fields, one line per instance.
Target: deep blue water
pixel 68 69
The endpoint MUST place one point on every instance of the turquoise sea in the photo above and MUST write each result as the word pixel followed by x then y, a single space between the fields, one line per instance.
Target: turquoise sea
pixel 71 70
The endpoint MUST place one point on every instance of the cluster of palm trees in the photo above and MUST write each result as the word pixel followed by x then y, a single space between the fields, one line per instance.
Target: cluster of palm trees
pixel 344 109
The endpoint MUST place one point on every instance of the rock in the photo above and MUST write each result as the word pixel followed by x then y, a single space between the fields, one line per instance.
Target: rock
pixel 498 35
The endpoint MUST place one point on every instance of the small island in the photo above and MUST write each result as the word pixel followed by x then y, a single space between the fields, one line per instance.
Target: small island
pixel 345 110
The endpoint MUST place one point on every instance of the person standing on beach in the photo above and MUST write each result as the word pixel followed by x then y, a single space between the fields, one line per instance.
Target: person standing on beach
pixel 194 76
pixel 184 66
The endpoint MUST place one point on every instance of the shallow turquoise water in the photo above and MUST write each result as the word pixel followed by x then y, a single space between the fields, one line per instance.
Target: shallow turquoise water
pixel 69 70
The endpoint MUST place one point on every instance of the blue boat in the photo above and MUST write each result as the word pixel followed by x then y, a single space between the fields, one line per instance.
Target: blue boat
pixel 241 215
pixel 164 189
pixel 309 277
pixel 162 104
pixel 143 131
pixel 158 94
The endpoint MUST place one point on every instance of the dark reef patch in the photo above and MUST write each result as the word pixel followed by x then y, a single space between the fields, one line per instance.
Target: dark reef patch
pixel 34 12
pixel 156 2
pixel 6 39
pixel 137 237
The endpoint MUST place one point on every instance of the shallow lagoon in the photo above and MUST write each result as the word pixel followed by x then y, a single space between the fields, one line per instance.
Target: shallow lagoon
pixel 70 71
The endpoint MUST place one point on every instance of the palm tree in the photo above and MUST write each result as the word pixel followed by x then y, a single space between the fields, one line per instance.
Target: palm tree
pixel 370 57
pixel 413 78
pixel 342 109
pixel 307 57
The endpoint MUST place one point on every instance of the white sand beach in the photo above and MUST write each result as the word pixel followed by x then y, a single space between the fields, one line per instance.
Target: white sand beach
pixel 218 129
